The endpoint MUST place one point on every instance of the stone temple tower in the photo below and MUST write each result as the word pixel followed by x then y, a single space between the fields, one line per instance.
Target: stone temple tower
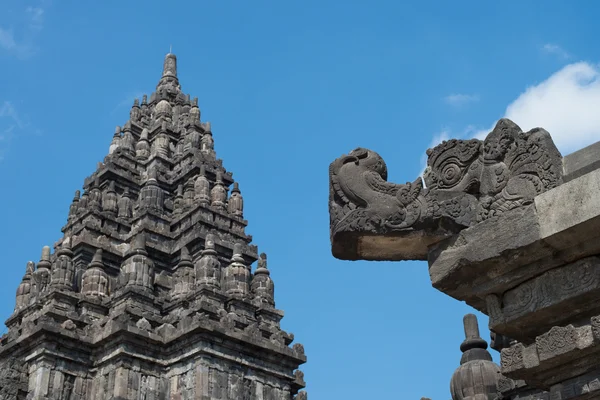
pixel 150 292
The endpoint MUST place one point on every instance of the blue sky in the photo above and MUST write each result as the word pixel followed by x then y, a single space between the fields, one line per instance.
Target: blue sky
pixel 289 86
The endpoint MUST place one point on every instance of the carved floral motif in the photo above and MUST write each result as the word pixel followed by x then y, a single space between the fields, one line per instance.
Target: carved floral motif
pixel 467 181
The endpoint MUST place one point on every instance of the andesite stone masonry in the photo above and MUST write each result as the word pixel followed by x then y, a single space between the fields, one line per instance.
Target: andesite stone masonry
pixel 150 292
pixel 507 225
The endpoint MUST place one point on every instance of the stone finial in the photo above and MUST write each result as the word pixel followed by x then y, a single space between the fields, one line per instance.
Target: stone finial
pixel 178 201
pixel 95 200
pixel 209 242
pixel 30 268
pixel 152 174
pixel 74 205
pixel 207 143
pixel 478 375
pixel 185 258
pixel 116 140
pixel 473 345
pixel 218 194
pixel 138 269
pixel 128 141
pixel 194 113
pixel 139 244
pixel 237 252
pixel 262 285
pixel 236 202
pixel 302 395
pixel 142 147
pixel 161 145
pixel 95 280
pixel 24 289
pixel 63 271
pixel 170 66
pixel 83 201
pixel 97 259
pixel 136 102
pixel 152 197
pixel 109 199
pixel 208 267
pixel 45 258
pixel 184 275
pixel 124 205
pixel 145 99
pixel 202 188
pixel 237 275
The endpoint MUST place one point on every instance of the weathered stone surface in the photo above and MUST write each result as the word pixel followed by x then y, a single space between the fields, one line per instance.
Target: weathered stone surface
pixel 562 353
pixel 150 293
pixel 579 215
pixel 520 244
pixel 506 226
pixel 553 298
pixel 581 162
pixel 468 181
pixel 477 376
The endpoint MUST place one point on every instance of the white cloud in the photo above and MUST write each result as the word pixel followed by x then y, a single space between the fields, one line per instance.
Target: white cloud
pixel 459 99
pixel 36 17
pixel 18 31
pixel 12 123
pixel 556 50
pixel 567 105
pixel 7 39
pixel 9 124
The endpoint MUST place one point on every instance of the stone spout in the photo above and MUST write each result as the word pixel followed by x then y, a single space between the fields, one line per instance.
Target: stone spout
pixel 466 182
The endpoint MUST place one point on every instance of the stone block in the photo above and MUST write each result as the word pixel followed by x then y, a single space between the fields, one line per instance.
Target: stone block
pixel 560 354
pixel 581 162
pixel 553 298
pixel 570 214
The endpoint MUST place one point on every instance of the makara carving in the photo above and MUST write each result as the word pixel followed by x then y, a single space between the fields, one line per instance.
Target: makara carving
pixel 465 182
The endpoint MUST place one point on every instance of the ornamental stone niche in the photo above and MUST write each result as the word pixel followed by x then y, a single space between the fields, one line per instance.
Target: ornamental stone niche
pixel 151 293
pixel 508 226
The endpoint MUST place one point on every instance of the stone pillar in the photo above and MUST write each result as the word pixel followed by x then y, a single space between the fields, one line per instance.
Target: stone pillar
pixel 121 387
pixel 39 380
pixel 202 383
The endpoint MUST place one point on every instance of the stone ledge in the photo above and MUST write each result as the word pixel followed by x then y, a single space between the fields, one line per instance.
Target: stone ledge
pixel 550 299
pixel 560 354
pixel 520 244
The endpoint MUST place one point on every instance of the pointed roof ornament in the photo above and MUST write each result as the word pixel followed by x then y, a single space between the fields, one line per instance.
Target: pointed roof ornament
pixel 262 265
pixel 473 347
pixel 139 245
pixel 45 258
pixel 97 260
pixel 29 270
pixel 169 73
pixel 65 248
pixel 237 253
pixel 185 260
pixel 478 375
pixel 152 175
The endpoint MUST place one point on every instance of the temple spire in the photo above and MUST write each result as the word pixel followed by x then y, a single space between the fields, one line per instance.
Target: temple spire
pixel 169 74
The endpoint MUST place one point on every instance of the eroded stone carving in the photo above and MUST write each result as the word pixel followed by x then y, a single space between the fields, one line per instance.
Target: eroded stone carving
pixel 138 300
pixel 467 181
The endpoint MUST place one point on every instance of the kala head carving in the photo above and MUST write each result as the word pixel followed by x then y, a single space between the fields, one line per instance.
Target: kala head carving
pixel 467 181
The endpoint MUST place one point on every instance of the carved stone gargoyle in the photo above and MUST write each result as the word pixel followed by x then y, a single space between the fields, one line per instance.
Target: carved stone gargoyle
pixel 465 182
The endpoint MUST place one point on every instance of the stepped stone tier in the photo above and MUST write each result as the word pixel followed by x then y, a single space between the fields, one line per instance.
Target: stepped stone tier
pixel 508 226
pixel 150 292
